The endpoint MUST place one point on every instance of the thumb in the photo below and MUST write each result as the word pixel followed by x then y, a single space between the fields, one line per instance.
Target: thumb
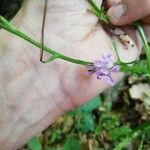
pixel 128 11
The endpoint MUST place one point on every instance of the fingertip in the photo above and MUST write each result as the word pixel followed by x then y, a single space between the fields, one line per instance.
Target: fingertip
pixel 147 31
pixel 127 12
pixel 110 3
pixel 116 13
pixel 111 19
pixel 146 20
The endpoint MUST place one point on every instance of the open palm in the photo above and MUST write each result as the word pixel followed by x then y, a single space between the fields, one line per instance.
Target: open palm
pixel 32 94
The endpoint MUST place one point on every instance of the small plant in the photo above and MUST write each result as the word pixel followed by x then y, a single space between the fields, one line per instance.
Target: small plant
pixel 136 68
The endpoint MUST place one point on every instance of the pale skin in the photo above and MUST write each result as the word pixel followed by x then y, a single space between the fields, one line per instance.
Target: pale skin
pixel 33 95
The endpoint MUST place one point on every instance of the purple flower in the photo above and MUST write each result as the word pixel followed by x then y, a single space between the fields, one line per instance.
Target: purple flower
pixel 104 68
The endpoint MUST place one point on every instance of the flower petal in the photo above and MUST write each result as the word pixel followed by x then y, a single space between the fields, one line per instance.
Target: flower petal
pixel 115 69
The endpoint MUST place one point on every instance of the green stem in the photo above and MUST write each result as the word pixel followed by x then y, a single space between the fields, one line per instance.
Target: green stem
pixel 99 12
pixel 136 132
pixel 95 7
pixel 11 28
pixel 145 42
pixel 119 62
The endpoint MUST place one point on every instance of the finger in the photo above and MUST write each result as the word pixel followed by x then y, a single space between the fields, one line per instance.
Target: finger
pixel 128 11
pixel 110 3
pixel 147 31
pixel 146 20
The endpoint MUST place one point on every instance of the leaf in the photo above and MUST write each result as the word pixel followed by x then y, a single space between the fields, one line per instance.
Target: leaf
pixel 72 144
pixel 86 123
pixel 55 135
pixel 88 107
pixel 34 144
pixel 120 132
pixel 91 105
pixel 51 148
pixel 139 68
pixel 109 121
pixel 127 140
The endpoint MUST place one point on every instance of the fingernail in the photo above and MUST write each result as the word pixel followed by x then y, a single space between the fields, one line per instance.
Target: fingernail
pixel 117 11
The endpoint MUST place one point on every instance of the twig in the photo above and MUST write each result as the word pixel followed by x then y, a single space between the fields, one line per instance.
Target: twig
pixel 42 32
pixel 11 28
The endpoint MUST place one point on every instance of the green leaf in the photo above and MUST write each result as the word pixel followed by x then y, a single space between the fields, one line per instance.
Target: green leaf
pixel 51 148
pixel 120 132
pixel 88 107
pixel 127 140
pixel 109 121
pixel 86 123
pixel 72 144
pixel 91 105
pixel 55 135
pixel 138 68
pixel 34 144
pixel 73 112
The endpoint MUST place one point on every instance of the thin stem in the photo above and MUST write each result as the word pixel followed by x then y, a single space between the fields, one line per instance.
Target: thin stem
pixel 11 28
pixel 119 62
pixel 116 51
pixel 136 133
pixel 99 12
pixel 145 42
pixel 92 3
pixel 43 29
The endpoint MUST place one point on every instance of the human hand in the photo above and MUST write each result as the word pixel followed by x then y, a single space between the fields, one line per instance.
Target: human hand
pixel 125 12
pixel 32 94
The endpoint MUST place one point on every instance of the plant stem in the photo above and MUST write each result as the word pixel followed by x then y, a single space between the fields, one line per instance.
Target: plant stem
pixel 11 28
pixel 97 12
pixel 92 3
pixel 136 132
pixel 145 42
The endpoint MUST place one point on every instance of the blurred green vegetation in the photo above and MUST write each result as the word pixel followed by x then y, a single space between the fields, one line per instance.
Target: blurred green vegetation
pixel 110 121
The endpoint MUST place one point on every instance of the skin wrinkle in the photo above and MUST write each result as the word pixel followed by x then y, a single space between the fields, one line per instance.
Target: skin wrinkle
pixel 14 95
pixel 69 23
pixel 54 66
pixel 39 126
pixel 67 6
pixel 93 30
pixel 67 95
pixel 18 73
pixel 73 81
pixel 8 112
pixel 33 127
pixel 17 122
pixel 65 89
pixel 12 108
pixel 20 121
pixel 38 73
pixel 53 97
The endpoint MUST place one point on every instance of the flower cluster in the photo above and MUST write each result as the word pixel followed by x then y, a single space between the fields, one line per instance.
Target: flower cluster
pixel 104 68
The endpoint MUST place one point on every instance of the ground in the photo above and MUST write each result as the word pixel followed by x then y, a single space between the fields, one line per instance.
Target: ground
pixel 116 119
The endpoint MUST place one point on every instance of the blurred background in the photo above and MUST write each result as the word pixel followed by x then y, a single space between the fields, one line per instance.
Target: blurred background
pixel 118 119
